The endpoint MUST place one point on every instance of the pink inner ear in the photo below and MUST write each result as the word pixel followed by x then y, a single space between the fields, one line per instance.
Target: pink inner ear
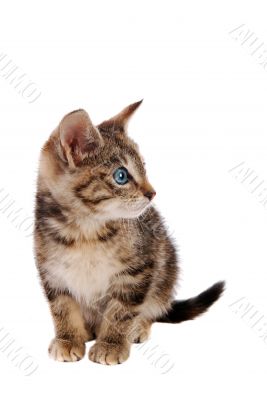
pixel 78 134
pixel 74 127
pixel 75 138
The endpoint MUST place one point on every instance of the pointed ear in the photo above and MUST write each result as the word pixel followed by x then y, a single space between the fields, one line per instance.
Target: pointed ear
pixel 120 121
pixel 78 136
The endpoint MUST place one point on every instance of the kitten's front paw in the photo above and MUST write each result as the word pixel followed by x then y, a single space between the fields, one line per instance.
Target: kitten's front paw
pixel 109 353
pixel 63 350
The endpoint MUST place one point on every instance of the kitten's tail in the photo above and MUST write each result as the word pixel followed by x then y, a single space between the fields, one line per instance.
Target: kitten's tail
pixel 183 310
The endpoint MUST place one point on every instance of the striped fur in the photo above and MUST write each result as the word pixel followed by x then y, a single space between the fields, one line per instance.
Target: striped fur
pixel 105 260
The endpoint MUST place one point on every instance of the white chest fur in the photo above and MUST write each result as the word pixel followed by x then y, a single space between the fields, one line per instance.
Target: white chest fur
pixel 85 271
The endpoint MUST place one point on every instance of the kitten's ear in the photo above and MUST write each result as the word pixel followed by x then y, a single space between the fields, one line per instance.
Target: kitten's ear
pixel 78 136
pixel 120 121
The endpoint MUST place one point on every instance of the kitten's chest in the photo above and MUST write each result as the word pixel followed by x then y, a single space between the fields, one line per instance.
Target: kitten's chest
pixel 86 271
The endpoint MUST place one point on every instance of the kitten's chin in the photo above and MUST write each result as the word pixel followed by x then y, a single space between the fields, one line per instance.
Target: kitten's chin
pixel 132 214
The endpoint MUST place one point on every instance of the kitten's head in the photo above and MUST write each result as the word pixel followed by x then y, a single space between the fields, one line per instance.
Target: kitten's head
pixel 97 169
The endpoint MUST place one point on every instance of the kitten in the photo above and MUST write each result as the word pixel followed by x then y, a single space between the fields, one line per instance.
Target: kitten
pixel 106 262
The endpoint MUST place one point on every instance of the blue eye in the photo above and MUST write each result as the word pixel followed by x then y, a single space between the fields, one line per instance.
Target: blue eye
pixel 121 176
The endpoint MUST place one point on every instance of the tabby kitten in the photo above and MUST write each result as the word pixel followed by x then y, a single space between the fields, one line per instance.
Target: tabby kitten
pixel 106 262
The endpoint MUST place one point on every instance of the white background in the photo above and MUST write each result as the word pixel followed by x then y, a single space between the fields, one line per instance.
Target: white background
pixel 204 112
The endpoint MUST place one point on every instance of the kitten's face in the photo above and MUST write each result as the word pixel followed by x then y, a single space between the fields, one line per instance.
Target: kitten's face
pixel 105 170
pixel 116 186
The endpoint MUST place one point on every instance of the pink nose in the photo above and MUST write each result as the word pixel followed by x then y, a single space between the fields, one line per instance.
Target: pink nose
pixel 150 195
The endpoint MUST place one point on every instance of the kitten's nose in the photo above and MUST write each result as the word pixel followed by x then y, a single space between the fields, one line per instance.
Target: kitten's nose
pixel 150 195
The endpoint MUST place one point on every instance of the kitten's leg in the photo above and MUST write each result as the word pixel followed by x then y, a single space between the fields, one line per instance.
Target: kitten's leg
pixel 141 331
pixel 114 337
pixel 71 335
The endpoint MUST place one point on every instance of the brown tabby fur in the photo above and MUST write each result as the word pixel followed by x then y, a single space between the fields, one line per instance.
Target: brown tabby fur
pixel 106 262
